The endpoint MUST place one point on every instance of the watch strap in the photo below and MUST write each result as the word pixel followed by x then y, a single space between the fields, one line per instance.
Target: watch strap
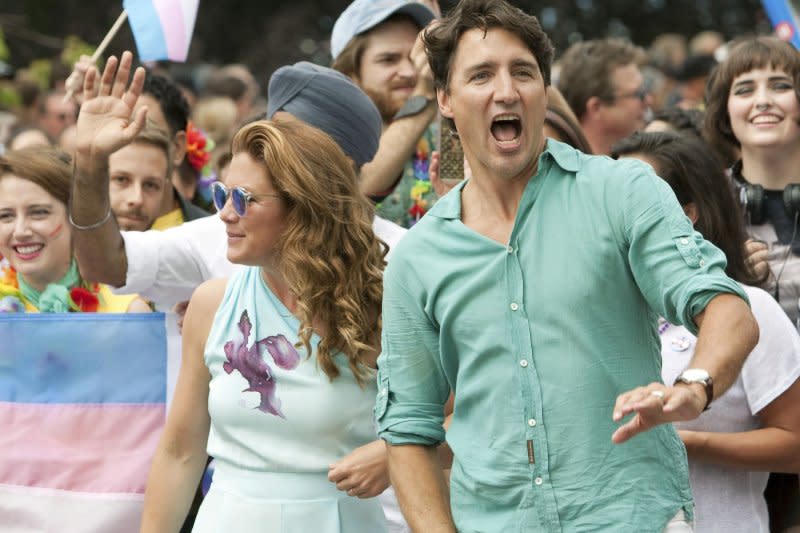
pixel 414 105
pixel 707 383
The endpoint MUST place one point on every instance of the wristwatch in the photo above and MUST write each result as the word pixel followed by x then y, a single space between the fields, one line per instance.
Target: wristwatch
pixel 414 106
pixel 698 375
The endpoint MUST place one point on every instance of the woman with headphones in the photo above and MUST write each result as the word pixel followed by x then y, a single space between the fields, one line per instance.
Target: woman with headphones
pixel 753 105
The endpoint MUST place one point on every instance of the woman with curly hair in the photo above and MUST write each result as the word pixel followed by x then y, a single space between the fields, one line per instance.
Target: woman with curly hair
pixel 282 353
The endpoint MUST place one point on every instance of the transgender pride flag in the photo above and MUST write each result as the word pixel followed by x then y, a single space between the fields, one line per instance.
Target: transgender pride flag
pixel 162 29
pixel 82 405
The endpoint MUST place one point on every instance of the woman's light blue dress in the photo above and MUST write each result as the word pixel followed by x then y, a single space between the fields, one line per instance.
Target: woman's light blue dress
pixel 278 422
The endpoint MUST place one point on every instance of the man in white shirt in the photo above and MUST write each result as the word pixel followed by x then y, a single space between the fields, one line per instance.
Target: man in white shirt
pixel 165 267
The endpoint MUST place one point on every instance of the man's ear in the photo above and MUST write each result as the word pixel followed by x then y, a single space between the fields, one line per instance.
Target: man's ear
pixel 178 148
pixel 443 99
pixel 593 105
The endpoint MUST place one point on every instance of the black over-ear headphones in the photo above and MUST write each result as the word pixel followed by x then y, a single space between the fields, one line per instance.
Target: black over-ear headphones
pixel 751 198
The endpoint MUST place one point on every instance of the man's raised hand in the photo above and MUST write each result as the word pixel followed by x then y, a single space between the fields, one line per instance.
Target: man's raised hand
pixel 107 120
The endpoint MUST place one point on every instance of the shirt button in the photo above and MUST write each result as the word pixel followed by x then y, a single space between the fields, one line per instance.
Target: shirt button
pixel 510 249
pixel 514 306
pixel 702 263
pixel 538 481
pixel 532 422
pixel 684 241
pixel 523 363
pixel 383 392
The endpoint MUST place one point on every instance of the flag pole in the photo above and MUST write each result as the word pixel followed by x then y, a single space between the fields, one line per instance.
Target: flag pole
pixel 100 49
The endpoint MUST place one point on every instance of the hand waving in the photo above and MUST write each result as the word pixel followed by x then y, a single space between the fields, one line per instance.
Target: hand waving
pixel 107 120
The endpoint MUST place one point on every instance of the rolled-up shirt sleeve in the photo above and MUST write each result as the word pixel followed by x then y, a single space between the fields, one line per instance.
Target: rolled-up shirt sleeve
pixel 412 388
pixel 677 270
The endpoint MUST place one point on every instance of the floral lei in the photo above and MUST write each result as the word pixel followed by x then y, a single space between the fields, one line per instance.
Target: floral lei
pixel 422 184
pixel 83 298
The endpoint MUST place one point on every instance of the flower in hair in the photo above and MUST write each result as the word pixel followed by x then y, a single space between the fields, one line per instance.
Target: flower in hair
pixel 198 147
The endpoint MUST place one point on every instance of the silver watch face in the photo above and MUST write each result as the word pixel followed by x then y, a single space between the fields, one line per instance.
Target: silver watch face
pixel 695 374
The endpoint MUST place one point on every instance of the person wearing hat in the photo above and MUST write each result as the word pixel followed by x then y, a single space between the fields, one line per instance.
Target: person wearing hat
pixel 167 266
pixel 375 42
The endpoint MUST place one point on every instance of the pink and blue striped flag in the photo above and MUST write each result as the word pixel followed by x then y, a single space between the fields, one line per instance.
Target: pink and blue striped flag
pixel 162 29
pixel 82 405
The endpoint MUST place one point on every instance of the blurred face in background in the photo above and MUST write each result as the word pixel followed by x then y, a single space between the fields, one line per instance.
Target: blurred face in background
pixel 56 115
pixel 628 111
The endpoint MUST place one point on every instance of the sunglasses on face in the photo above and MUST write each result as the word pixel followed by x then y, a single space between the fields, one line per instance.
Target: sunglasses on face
pixel 239 196
pixel 639 94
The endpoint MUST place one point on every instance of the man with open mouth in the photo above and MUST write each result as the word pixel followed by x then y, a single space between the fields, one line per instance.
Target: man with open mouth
pixel 531 291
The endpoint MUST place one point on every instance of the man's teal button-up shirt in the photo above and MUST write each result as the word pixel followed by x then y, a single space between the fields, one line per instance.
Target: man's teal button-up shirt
pixel 537 337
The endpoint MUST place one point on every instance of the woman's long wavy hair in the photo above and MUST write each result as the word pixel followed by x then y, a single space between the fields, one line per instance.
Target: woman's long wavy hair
pixel 328 254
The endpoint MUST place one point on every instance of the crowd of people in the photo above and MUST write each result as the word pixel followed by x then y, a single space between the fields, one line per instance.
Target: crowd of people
pixel 594 329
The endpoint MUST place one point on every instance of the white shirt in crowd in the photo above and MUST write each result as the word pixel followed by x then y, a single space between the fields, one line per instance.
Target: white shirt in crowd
pixel 165 267
pixel 728 499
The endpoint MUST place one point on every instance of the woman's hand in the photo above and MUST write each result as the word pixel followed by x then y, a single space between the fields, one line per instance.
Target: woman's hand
pixel 107 120
pixel 363 473
pixel 757 255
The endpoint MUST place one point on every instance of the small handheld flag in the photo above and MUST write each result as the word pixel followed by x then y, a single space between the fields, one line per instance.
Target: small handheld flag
pixel 162 28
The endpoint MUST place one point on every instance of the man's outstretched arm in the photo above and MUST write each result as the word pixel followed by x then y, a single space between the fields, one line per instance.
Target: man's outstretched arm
pixel 419 483
pixel 106 123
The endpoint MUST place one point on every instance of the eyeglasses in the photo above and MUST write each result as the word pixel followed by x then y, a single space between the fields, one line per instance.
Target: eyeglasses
pixel 240 197
pixel 640 94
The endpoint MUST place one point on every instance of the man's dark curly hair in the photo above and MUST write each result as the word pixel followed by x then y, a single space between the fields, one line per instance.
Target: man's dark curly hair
pixel 170 99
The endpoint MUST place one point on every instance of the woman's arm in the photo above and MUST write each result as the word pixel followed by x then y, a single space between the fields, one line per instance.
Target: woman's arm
pixel 773 448
pixel 181 454
pixel 364 472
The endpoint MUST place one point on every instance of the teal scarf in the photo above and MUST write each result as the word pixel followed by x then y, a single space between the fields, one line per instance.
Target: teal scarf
pixel 55 297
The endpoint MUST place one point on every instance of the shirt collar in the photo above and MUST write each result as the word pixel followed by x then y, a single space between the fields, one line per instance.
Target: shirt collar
pixel 566 157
